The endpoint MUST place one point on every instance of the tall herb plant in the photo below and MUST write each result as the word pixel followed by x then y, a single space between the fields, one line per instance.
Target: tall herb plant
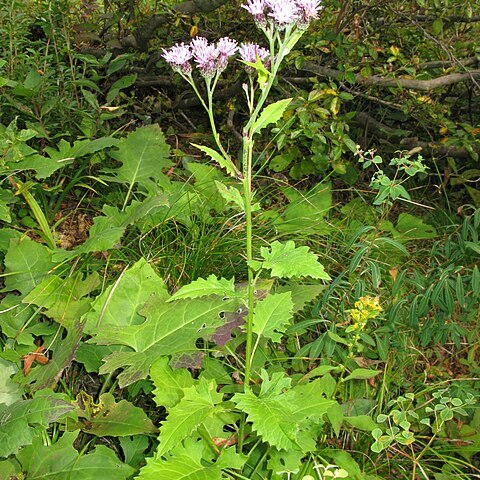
pixel 283 23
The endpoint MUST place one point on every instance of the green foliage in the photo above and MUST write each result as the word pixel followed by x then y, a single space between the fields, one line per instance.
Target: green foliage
pixel 177 331
pixel 61 460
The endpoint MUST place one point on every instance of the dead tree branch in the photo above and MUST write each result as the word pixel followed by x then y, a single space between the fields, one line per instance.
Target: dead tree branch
pixel 382 82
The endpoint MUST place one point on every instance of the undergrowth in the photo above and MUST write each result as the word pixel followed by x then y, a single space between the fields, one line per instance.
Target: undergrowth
pixel 167 316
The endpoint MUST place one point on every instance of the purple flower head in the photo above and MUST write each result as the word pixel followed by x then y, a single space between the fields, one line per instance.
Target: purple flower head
pixel 249 52
pixel 205 56
pixel 257 9
pixel 179 57
pixel 226 48
pixel 308 11
pixel 283 12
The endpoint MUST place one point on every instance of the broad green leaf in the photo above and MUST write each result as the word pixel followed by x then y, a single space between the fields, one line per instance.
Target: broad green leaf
pixel 196 407
pixel 286 260
pixel 222 161
pixel 169 383
pixel 410 227
pixel 362 374
pixel 9 392
pixel 109 418
pixel 271 114
pixel 107 231
pixel 10 469
pixel 6 234
pixel 64 154
pixel 204 287
pixel 124 82
pixel 271 413
pixel 272 315
pixel 46 376
pixel 61 461
pixel 105 234
pixel 308 401
pixel 143 153
pixel 63 298
pixel 170 328
pixel 6 198
pixel 187 462
pixel 335 415
pixel 134 449
pixel 206 177
pixel 91 356
pixel 17 421
pixel 26 264
pixel 119 304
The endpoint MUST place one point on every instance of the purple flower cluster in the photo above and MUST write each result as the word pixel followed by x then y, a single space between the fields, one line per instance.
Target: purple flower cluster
pixel 210 58
pixel 283 13
pixel 249 52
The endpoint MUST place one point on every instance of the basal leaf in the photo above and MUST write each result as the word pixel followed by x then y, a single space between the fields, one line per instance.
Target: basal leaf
pixel 61 461
pixel 169 383
pixel 271 114
pixel 309 402
pixel 109 418
pixel 120 303
pixel 204 287
pixel 306 210
pixel 17 421
pixel 6 199
pixel 286 260
pixel 196 406
pixel 170 328
pixel 272 315
pixel 64 154
pixel 63 299
pixel 9 392
pixel 143 153
pixel 214 155
pixel 302 294
pixel 26 264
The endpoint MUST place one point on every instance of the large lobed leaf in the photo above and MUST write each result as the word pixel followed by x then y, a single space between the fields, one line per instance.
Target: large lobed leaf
pixel 169 329
pixel 18 421
pixel 196 407
pixel 26 264
pixel 61 461
pixel 286 261
pixel 143 153
pixel 272 315
pixel 188 462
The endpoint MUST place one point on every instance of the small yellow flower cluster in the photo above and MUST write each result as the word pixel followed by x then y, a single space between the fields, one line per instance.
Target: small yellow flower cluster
pixel 366 308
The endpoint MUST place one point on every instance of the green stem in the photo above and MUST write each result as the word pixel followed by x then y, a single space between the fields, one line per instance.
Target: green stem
pixel 209 109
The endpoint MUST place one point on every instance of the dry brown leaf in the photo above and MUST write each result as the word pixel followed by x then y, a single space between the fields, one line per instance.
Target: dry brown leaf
pixel 37 356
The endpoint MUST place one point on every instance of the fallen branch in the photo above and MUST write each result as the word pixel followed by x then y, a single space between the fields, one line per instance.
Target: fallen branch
pixel 382 82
